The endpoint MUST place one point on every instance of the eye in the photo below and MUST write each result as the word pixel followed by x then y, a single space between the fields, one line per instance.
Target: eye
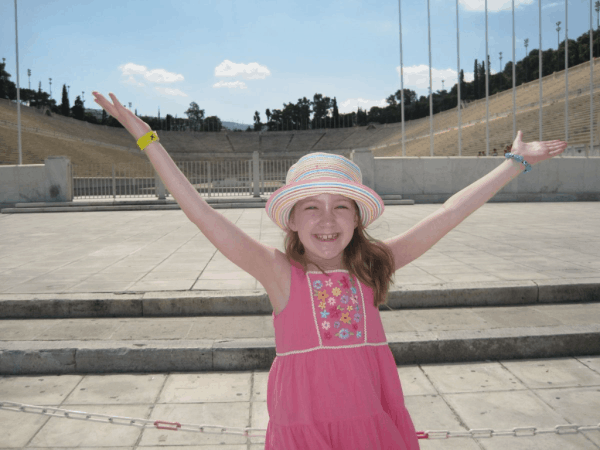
pixel 338 207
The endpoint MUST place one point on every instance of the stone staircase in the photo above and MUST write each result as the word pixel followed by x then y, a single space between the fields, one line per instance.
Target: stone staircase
pixel 136 332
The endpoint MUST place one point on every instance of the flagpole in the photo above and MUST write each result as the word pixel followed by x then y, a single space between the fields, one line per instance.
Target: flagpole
pixel 458 84
pixel 18 87
pixel 401 76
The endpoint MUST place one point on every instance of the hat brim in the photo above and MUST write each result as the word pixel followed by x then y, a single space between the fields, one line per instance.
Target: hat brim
pixel 281 201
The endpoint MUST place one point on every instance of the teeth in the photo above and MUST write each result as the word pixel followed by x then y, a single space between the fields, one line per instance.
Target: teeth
pixel 329 236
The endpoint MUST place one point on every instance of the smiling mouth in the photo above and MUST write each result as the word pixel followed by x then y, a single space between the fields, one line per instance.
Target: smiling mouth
pixel 336 236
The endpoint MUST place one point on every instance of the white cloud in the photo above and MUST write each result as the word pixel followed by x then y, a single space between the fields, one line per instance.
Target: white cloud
pixel 551 5
pixel 230 84
pixel 493 5
pixel 171 92
pixel 132 70
pixel 251 71
pixel 416 78
pixel 352 104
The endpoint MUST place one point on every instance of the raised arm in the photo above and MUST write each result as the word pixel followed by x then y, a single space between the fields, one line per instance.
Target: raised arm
pixel 257 259
pixel 413 243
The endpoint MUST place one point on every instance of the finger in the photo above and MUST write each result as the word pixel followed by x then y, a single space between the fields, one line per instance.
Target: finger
pixel 106 104
pixel 99 98
pixel 557 148
pixel 115 100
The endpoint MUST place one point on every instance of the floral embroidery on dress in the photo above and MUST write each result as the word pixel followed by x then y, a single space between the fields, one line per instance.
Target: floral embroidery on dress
pixel 338 309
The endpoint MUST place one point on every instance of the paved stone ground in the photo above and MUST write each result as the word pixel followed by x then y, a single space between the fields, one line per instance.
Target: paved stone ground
pixel 162 250
pixel 499 395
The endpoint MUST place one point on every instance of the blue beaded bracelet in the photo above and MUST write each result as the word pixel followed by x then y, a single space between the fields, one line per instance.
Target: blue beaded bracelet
pixel 520 159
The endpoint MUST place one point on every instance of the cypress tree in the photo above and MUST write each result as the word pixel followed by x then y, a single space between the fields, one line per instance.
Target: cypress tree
pixel 476 81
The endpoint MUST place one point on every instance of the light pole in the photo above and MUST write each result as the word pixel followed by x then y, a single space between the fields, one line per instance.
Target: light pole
pixel 401 79
pixel 591 147
pixel 459 106
pixel 526 42
pixel 18 86
pixel 597 8
pixel 558 43
pixel 541 67
pixel 487 86
pixel 430 84
pixel 514 72
pixel 566 71
pixel 500 61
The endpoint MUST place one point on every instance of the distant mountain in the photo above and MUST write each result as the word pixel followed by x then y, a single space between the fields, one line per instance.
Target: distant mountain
pixel 236 126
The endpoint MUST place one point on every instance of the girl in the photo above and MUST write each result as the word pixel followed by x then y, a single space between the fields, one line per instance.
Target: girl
pixel 334 383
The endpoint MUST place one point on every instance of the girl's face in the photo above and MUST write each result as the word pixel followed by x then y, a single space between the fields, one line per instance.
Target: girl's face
pixel 324 214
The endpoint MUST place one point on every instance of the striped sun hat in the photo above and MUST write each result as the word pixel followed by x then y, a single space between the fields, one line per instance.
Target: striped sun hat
pixel 323 173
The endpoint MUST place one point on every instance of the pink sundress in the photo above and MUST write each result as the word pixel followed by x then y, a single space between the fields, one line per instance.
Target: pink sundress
pixel 334 382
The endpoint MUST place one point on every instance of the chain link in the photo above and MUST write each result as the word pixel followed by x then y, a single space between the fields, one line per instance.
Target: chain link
pixel 176 426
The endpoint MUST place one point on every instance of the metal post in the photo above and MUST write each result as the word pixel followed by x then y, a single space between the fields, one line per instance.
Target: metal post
pixel 401 76
pixel 430 86
pixel 18 86
pixel 514 78
pixel 255 175
pixel 487 87
pixel 209 178
pixel 540 58
pixel 114 183
pixel 458 72
pixel 591 86
pixel 566 71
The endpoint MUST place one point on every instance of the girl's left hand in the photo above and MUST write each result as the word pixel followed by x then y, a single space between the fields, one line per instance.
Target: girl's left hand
pixel 535 152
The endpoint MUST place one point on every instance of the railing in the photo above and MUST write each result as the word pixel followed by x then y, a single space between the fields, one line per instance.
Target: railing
pixel 210 178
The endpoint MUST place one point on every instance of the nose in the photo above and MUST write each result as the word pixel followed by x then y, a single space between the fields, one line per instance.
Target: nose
pixel 327 215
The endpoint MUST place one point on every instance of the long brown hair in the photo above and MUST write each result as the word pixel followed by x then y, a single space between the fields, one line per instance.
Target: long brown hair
pixel 365 258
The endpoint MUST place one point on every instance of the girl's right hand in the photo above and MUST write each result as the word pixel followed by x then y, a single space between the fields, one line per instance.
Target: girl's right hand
pixel 132 123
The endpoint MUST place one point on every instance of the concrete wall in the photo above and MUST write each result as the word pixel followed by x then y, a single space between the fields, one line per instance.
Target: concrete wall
pixel 423 179
pixel 436 179
pixel 48 182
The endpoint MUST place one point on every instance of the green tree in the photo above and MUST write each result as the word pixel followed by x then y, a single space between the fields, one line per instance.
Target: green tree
pixel 336 113
pixel 476 81
pixel 257 123
pixel 213 123
pixel 64 106
pixel 195 116
pixel 321 106
pixel 4 76
pixel 391 100
pixel 481 76
pixel 77 111
pixel 303 113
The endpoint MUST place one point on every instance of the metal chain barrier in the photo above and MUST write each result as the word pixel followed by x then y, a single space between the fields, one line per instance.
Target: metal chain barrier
pixel 176 426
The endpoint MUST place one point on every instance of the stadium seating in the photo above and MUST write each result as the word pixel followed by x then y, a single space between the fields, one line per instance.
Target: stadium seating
pixel 87 144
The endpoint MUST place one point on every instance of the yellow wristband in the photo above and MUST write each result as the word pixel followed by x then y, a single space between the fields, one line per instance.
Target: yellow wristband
pixel 147 139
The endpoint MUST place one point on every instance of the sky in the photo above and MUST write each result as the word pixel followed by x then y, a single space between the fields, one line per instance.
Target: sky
pixel 235 57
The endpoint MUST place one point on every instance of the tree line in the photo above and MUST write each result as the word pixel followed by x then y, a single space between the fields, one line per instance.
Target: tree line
pixel 322 111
